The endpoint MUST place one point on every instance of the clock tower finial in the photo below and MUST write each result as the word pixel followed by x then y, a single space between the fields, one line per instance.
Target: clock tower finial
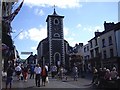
pixel 54 13
pixel 54 8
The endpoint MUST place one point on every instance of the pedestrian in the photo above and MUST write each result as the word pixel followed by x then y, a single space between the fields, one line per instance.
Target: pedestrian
pixel 100 75
pixel 53 70
pixel 61 72
pixel 25 73
pixel 9 76
pixel 114 74
pixel 107 75
pixel 103 81
pixel 95 75
pixel 32 72
pixel 18 71
pixel 44 74
pixel 46 66
pixel 75 73
pixel 37 71
pixel 107 78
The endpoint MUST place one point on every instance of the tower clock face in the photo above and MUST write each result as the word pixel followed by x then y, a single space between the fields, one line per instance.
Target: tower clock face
pixel 56 21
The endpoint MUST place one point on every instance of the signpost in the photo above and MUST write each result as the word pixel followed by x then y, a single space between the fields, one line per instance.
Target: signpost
pixel 26 53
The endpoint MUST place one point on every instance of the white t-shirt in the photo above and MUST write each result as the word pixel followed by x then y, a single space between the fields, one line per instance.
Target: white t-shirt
pixel 37 70
pixel 18 68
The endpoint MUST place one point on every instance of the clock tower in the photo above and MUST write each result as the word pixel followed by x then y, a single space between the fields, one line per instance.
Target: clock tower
pixel 55 39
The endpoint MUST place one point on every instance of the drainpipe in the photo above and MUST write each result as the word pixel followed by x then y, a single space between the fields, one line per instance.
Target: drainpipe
pixel 0 66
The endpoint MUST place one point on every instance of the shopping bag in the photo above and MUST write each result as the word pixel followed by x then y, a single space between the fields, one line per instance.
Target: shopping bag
pixel 47 80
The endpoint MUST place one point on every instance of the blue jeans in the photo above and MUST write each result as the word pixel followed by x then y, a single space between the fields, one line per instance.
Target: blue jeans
pixel 9 81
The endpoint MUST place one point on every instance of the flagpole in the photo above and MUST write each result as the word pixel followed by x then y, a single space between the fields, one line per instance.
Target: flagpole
pixel 18 34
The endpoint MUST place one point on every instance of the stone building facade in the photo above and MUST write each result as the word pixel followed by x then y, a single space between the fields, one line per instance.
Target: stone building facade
pixel 53 49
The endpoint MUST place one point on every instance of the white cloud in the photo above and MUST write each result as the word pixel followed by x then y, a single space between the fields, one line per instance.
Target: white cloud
pixel 70 39
pixel 61 3
pixel 69 36
pixel 34 34
pixel 100 0
pixel 23 34
pixel 93 29
pixel 72 43
pixel 65 31
pixel 79 26
pixel 37 34
pixel 58 3
pixel 39 12
pixel 33 48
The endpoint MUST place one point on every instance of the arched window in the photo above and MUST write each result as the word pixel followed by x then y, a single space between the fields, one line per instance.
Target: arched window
pixel 56 35
pixel 57 58
pixel 56 21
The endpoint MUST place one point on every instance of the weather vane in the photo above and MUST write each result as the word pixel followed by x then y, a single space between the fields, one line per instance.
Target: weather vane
pixel 54 7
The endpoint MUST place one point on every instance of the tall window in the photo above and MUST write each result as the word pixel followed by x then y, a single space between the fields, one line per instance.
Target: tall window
pixel 103 43
pixel 110 40
pixel 104 53
pixel 91 44
pixel 87 48
pixel 96 43
pixel 96 51
pixel 92 53
pixel 111 53
pixel 88 56
pixel 84 49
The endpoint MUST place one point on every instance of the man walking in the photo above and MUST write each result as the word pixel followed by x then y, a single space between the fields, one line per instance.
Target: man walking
pixel 37 71
pixel 9 76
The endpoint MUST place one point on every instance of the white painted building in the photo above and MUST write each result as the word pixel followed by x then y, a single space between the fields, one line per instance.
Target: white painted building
pixel 108 44
pixel 104 48
pixel 94 50
pixel 117 36
pixel 119 11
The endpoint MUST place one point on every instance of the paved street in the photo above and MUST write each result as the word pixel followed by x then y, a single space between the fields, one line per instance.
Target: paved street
pixel 53 83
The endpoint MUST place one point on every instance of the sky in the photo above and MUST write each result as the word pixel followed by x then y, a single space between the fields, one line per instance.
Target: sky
pixel 81 19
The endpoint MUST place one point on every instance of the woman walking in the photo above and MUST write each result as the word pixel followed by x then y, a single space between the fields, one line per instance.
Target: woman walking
pixel 25 73
pixel 44 74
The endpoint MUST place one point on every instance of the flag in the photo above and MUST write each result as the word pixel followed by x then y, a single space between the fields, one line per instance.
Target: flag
pixel 12 16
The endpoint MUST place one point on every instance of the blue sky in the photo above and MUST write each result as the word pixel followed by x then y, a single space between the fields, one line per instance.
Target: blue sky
pixel 81 20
